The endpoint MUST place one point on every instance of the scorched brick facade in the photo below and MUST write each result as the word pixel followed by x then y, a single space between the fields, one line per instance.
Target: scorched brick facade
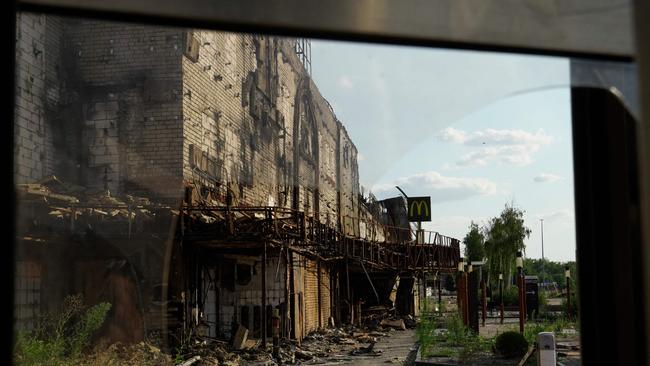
pixel 197 178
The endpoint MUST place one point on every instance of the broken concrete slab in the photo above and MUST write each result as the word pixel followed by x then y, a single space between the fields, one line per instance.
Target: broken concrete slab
pixel 240 338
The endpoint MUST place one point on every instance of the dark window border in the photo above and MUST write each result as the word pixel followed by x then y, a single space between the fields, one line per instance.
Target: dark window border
pixel 608 339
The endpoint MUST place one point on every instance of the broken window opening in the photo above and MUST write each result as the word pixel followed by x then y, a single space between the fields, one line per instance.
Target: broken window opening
pixel 243 273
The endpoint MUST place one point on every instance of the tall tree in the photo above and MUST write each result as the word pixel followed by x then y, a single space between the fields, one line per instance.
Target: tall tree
pixel 473 241
pixel 505 236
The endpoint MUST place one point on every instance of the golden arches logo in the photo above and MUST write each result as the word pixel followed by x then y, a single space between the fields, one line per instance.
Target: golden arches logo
pixel 419 205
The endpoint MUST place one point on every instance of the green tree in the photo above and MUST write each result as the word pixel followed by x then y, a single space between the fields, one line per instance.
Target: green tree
pixel 552 271
pixel 505 236
pixel 473 241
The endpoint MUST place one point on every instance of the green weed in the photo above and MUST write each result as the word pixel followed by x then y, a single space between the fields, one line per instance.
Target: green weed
pixel 455 341
pixel 60 337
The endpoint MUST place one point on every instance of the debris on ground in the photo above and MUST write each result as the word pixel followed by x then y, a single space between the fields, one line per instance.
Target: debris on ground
pixel 128 354
pixel 191 361
pixel 366 350
pixel 323 346
pixel 304 355
pixel 397 324
pixel 410 322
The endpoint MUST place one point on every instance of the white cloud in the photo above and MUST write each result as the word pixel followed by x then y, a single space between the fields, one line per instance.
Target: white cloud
pixel 507 146
pixel 508 137
pixel 441 188
pixel 361 157
pixel 516 155
pixel 547 178
pixel 345 82
pixel 451 134
pixel 477 158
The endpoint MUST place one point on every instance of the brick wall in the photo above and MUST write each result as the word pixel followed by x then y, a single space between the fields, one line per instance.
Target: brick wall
pixel 253 114
pixel 144 110
pixel 99 104
pixel 126 107
pixel 127 81
pixel 349 176
pixel 218 123
pixel 37 97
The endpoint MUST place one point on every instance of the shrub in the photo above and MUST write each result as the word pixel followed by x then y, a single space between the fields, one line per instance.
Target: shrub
pixel 60 337
pixel 90 322
pixel 511 344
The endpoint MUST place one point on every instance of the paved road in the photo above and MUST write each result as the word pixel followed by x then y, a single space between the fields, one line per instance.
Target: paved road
pixel 398 348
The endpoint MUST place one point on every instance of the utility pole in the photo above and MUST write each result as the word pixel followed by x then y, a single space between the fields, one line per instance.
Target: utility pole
pixel 542 222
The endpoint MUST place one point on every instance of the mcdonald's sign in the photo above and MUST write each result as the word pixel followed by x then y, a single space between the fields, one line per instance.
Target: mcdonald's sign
pixel 419 208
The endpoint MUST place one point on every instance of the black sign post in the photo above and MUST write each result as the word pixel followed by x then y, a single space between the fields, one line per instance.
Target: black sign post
pixel 419 209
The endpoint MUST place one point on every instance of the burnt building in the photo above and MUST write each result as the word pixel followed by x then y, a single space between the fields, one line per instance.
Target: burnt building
pixel 196 180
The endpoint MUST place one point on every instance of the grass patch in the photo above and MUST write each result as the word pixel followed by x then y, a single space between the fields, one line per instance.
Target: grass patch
pixel 448 337
pixel 556 325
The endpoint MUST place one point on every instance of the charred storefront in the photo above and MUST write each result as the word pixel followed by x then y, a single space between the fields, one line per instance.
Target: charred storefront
pixel 200 183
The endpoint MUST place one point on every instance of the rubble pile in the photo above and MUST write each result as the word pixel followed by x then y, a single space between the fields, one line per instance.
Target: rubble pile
pixel 208 352
pixel 325 346
pixel 130 355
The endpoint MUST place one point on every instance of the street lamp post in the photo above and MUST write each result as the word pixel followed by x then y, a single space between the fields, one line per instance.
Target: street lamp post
pixel 520 281
pixel 501 294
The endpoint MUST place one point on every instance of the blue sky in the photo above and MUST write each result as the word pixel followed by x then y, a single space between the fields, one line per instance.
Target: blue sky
pixel 473 130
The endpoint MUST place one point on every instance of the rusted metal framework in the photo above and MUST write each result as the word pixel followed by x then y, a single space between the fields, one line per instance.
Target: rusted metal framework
pixel 389 247
pixel 253 226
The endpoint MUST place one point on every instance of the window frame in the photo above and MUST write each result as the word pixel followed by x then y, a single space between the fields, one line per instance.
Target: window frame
pixel 383 32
